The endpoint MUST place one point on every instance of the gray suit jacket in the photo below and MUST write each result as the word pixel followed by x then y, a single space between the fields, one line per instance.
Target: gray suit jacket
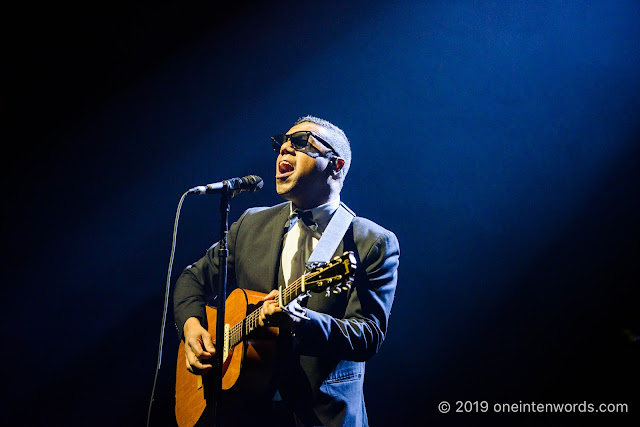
pixel 321 376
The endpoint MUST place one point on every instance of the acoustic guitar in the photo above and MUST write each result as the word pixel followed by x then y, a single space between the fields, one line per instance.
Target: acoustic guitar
pixel 248 349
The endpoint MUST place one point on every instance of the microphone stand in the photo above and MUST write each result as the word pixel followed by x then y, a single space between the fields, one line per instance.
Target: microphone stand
pixel 226 196
pixel 212 383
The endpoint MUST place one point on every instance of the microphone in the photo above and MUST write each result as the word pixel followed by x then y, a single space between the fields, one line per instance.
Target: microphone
pixel 248 183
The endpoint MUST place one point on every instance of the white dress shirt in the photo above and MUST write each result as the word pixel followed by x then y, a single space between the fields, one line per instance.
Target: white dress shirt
pixel 300 241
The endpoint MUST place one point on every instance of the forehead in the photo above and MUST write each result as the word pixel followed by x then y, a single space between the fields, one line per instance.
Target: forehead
pixel 308 126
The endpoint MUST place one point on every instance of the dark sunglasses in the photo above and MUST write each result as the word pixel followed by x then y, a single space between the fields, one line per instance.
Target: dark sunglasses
pixel 299 140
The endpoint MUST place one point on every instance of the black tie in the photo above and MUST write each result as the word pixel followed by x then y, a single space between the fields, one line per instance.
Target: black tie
pixel 307 219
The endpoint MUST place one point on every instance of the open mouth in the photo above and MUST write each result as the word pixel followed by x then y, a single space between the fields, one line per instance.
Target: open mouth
pixel 284 169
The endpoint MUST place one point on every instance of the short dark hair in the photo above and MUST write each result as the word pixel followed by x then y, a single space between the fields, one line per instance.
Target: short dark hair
pixel 337 138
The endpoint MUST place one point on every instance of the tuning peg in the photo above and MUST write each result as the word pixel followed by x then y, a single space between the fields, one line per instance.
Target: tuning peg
pixel 327 292
pixel 337 290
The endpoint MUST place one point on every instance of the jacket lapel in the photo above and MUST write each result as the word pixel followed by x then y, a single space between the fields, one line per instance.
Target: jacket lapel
pixel 277 235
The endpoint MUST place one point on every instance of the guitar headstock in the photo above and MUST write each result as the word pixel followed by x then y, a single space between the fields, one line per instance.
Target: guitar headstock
pixel 335 276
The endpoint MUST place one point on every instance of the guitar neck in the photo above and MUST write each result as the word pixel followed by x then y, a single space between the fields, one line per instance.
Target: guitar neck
pixel 240 331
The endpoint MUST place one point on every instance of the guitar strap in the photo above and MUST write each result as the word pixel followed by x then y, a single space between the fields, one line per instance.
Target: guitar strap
pixel 325 248
pixel 331 238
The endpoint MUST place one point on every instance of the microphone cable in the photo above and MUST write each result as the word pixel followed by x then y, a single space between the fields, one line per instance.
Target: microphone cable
pixel 166 303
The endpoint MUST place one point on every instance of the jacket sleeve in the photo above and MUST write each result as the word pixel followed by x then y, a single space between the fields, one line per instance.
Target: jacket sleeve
pixel 358 335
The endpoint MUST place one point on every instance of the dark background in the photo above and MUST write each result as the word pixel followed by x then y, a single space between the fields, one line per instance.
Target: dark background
pixel 498 140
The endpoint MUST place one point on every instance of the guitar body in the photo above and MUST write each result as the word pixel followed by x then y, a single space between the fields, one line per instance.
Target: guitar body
pixel 246 369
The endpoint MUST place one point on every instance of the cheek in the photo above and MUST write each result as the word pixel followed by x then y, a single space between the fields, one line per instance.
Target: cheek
pixel 306 166
pixel 321 165
pixel 311 168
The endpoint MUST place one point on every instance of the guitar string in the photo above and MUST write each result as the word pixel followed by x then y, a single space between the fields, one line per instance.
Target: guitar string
pixel 251 322
pixel 243 328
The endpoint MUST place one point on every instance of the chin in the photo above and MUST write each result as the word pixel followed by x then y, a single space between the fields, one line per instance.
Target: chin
pixel 287 192
pixel 283 189
pixel 287 184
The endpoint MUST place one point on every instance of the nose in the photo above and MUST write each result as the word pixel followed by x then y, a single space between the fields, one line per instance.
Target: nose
pixel 287 148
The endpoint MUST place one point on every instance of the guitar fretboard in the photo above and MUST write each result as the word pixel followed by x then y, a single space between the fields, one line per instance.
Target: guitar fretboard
pixel 240 330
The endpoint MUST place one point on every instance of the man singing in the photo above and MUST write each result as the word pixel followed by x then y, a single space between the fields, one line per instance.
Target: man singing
pixel 323 341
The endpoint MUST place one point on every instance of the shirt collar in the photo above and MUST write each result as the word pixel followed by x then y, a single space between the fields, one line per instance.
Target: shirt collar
pixel 321 214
